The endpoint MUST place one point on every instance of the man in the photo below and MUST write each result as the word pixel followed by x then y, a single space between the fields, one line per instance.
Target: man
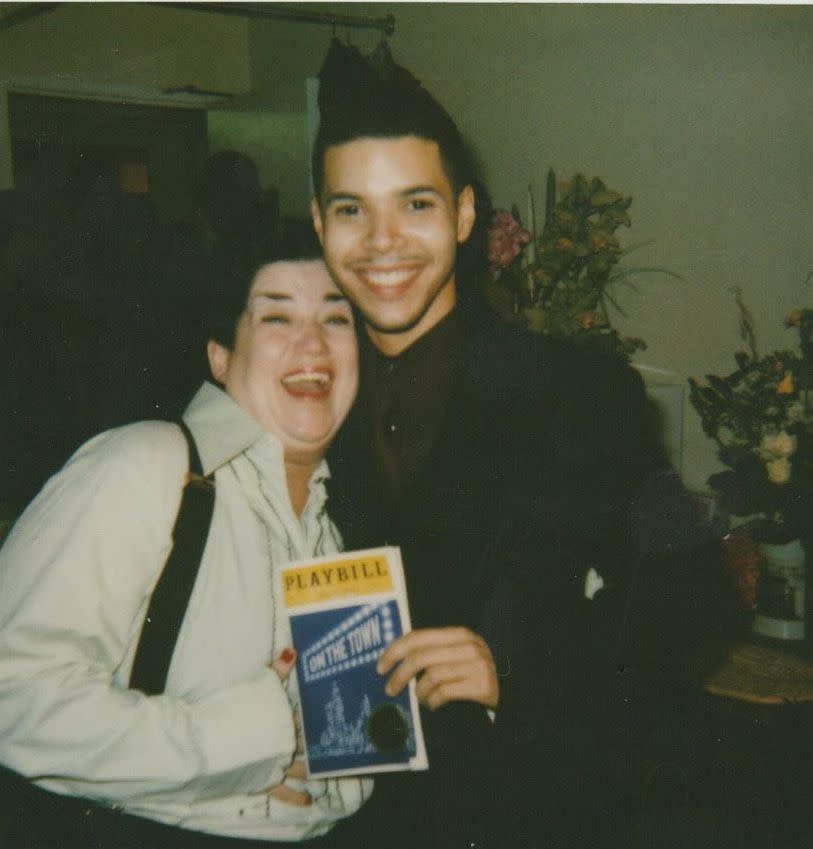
pixel 519 476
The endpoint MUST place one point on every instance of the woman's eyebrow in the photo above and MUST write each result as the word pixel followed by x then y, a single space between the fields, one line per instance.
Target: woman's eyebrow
pixel 335 297
pixel 273 296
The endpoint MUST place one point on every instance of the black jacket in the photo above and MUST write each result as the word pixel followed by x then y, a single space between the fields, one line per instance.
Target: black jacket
pixel 548 465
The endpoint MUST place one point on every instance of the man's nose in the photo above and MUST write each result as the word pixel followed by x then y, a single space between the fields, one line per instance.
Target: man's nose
pixel 383 233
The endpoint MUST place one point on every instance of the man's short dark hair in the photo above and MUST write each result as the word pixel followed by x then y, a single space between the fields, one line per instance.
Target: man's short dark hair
pixel 374 98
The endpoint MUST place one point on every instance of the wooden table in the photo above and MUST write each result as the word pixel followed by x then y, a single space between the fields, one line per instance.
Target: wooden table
pixel 761 723
pixel 763 673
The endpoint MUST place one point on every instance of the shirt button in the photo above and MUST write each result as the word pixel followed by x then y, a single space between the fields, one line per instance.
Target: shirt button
pixel 391 428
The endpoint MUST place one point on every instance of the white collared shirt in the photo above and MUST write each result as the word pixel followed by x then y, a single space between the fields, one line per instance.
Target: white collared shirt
pixel 76 574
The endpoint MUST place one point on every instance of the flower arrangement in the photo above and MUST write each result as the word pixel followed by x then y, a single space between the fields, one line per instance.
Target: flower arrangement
pixel 757 415
pixel 506 239
pixel 560 282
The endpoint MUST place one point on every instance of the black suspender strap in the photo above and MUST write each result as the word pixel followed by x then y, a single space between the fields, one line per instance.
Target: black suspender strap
pixel 170 597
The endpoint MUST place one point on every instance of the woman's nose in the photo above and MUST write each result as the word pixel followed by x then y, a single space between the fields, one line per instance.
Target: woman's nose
pixel 312 337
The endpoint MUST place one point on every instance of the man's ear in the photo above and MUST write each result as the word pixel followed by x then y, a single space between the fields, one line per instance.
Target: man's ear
pixel 316 215
pixel 465 213
pixel 219 357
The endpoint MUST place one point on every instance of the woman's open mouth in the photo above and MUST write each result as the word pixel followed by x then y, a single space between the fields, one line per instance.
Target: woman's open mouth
pixel 314 383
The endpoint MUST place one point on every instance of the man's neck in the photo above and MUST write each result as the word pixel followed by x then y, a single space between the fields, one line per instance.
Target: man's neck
pixel 393 344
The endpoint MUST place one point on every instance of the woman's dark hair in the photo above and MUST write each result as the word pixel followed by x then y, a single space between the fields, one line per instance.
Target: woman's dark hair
pixel 227 302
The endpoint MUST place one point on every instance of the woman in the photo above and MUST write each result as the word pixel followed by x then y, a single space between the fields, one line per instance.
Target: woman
pixel 216 753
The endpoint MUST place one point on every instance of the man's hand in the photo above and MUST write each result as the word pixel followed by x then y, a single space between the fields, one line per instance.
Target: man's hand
pixel 283 666
pixel 451 664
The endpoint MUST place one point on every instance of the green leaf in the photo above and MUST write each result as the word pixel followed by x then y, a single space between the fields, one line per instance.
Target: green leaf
pixel 605 197
pixel 643 269
pixel 616 305
pixel 720 385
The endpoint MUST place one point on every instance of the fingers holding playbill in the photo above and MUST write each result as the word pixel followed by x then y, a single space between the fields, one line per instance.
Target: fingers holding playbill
pixel 284 663
pixel 432 645
pixel 297 770
pixel 290 795
pixel 450 664
pixel 441 684
pixel 288 790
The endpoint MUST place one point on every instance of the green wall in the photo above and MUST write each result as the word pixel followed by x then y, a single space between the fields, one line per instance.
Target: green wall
pixel 277 142
pixel 702 113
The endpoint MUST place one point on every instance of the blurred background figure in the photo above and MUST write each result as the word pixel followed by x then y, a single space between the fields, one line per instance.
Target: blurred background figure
pixel 236 222
pixel 101 301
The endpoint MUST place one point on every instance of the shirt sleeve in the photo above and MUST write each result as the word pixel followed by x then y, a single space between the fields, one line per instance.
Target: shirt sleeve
pixel 76 573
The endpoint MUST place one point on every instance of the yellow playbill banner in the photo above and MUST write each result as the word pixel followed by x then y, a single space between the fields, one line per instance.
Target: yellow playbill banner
pixel 354 575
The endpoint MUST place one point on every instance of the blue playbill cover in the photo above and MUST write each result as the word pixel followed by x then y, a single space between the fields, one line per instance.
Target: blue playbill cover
pixel 344 610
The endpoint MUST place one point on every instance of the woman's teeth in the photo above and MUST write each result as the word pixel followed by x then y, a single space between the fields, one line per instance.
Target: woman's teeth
pixel 318 377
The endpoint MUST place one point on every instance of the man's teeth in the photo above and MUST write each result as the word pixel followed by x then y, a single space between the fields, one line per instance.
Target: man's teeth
pixel 306 377
pixel 388 278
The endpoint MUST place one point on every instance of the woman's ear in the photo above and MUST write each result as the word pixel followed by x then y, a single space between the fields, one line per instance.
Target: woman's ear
pixel 316 217
pixel 219 357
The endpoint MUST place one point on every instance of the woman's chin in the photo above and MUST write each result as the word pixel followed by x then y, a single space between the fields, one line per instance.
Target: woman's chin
pixel 307 447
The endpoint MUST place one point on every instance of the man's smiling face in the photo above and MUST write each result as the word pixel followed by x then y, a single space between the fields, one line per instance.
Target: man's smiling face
pixel 390 223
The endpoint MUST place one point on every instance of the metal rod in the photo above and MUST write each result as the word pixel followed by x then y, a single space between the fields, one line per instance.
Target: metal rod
pixel 267 11
pixel 270 11
pixel 19 16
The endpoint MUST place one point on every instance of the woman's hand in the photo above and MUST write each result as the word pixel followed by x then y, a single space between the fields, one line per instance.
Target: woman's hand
pixel 283 666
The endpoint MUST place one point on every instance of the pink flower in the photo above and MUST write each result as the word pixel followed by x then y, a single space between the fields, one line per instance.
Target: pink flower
pixel 506 237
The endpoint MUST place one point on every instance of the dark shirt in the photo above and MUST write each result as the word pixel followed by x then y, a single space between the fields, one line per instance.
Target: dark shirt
pixel 406 398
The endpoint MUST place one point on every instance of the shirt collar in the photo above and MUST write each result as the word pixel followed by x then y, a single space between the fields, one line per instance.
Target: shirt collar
pixel 223 430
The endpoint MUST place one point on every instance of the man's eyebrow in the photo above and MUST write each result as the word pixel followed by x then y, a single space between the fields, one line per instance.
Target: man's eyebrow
pixel 419 190
pixel 349 197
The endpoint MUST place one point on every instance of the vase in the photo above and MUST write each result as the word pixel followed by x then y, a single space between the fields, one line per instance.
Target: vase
pixel 780 608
